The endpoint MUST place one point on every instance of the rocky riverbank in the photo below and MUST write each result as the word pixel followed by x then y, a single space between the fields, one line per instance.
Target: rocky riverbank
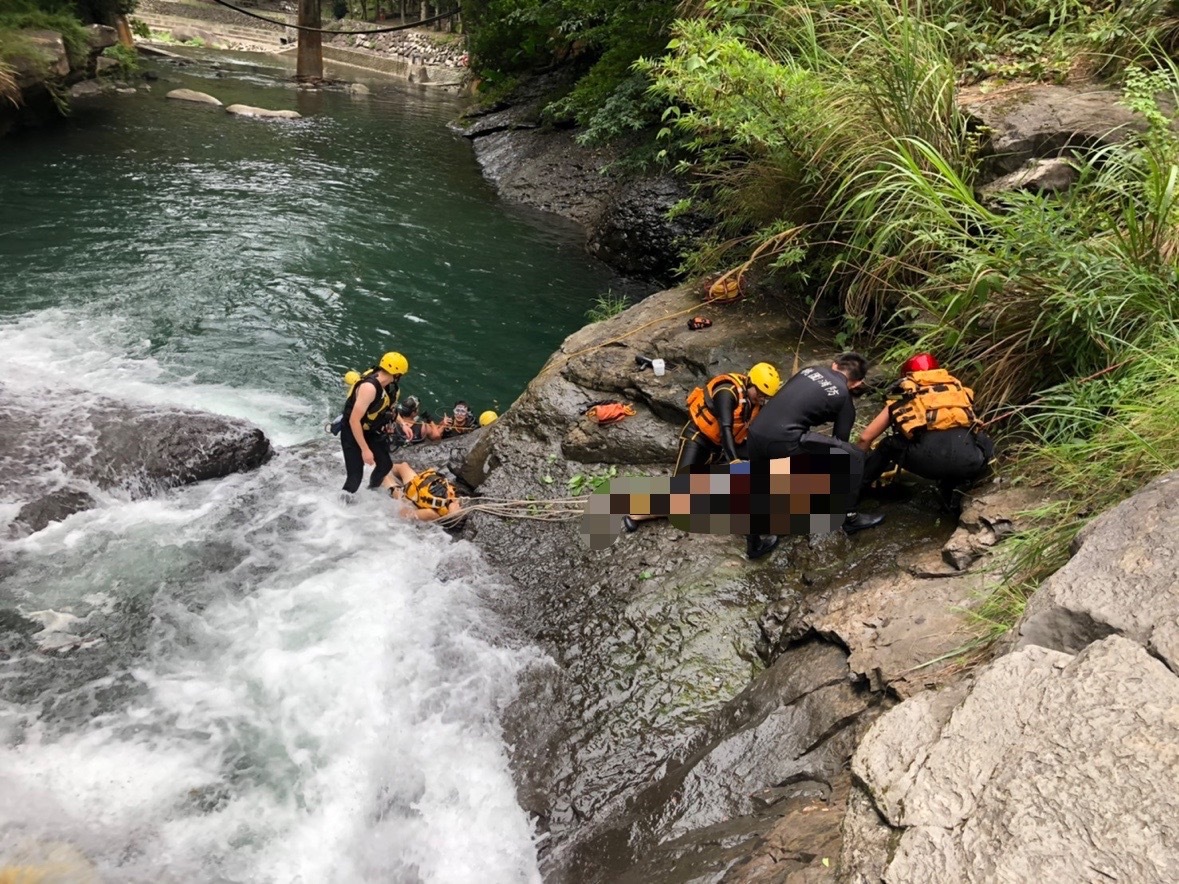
pixel 44 71
pixel 807 718
pixel 810 717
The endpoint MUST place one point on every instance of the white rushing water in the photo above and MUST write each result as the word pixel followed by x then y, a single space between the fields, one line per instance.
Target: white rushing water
pixel 248 679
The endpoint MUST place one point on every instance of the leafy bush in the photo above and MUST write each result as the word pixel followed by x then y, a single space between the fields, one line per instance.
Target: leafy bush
pixel 127 59
pixel 599 39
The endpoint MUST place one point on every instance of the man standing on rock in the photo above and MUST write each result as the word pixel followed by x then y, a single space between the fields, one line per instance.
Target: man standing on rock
pixel 813 397
pixel 367 412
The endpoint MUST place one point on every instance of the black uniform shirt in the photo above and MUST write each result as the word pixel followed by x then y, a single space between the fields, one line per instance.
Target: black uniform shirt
pixel 813 397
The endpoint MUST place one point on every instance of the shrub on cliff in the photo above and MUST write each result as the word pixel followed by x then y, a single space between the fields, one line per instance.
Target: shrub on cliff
pixel 599 39
pixel 826 142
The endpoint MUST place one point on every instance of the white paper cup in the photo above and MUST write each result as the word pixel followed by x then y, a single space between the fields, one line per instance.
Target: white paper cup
pixel 659 366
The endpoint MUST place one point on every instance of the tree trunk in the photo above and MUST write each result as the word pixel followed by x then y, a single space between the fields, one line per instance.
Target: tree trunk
pixel 309 64
pixel 403 11
pixel 424 11
pixel 124 30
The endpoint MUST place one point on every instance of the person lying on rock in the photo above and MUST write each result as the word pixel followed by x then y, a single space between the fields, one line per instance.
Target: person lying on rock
pixel 367 411
pixel 785 426
pixel 934 431
pixel 719 415
pixel 410 427
pixel 425 496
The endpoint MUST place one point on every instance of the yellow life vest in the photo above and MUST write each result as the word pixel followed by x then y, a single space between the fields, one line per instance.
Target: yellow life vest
pixel 700 408
pixel 378 412
pixel 932 400
pixel 429 490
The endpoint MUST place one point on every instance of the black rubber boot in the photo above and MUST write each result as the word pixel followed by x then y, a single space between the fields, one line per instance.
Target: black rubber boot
pixel 860 521
pixel 629 525
pixel 757 546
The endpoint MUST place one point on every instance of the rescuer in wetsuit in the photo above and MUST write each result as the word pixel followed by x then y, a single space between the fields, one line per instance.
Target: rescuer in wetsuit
pixel 366 413
pixel 935 433
pixel 719 415
pixel 813 397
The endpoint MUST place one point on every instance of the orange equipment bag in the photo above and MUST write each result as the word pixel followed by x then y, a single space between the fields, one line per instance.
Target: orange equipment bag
pixel 609 412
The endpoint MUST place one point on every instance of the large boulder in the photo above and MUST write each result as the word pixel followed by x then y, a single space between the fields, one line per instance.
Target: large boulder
pixel 58 460
pixel 1123 578
pixel 1037 120
pixel 245 110
pixel 1047 768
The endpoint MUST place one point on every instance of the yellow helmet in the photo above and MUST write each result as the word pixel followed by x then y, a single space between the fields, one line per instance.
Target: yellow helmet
pixel 395 363
pixel 765 377
pixel 487 417
pixel 351 378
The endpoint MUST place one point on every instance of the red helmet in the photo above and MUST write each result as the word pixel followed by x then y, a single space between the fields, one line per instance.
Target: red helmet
pixel 920 362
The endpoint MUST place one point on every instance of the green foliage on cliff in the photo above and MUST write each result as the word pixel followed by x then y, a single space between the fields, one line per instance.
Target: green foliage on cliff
pixel 598 39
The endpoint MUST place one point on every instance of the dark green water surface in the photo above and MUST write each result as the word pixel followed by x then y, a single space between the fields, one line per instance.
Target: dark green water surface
pixel 272 256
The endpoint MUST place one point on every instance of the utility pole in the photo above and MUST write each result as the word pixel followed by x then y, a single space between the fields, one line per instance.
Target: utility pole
pixel 309 66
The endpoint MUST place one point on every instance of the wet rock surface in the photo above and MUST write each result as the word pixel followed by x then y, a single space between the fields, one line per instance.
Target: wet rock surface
pixel 57 461
pixel 545 167
pixel 639 745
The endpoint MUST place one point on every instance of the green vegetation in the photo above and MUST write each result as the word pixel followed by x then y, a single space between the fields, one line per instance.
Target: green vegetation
pixel 825 144
pixel 606 306
pixel 127 59
pixel 598 41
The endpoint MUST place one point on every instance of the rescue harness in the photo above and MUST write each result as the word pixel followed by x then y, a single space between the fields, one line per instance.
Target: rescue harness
pixel 932 400
pixel 430 490
pixel 702 408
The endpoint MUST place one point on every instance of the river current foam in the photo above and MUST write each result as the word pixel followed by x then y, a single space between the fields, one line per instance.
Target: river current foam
pixel 248 679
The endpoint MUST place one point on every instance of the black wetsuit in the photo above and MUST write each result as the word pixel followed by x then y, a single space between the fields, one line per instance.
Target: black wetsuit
pixel 697 449
pixel 399 436
pixel 457 429
pixel 949 457
pixel 373 437
pixel 812 398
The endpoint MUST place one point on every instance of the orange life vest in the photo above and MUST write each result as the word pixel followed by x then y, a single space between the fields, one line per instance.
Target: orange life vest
pixel 932 400
pixel 700 408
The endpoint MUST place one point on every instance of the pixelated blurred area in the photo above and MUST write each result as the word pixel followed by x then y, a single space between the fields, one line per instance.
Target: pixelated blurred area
pixel 802 494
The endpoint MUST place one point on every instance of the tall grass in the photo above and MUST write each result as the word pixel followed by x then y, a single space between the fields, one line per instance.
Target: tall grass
pixel 826 140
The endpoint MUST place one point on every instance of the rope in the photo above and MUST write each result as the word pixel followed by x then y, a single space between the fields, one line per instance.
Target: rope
pixel 551 510
pixel 416 24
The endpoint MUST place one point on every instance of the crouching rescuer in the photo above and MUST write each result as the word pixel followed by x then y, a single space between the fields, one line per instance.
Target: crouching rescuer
pixel 719 415
pixel 935 433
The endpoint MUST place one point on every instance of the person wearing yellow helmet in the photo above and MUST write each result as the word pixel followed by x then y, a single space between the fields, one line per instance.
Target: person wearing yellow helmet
pixel 488 417
pixel 719 415
pixel 367 411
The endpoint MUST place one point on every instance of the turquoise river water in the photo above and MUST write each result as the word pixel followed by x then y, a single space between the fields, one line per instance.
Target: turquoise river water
pixel 248 680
